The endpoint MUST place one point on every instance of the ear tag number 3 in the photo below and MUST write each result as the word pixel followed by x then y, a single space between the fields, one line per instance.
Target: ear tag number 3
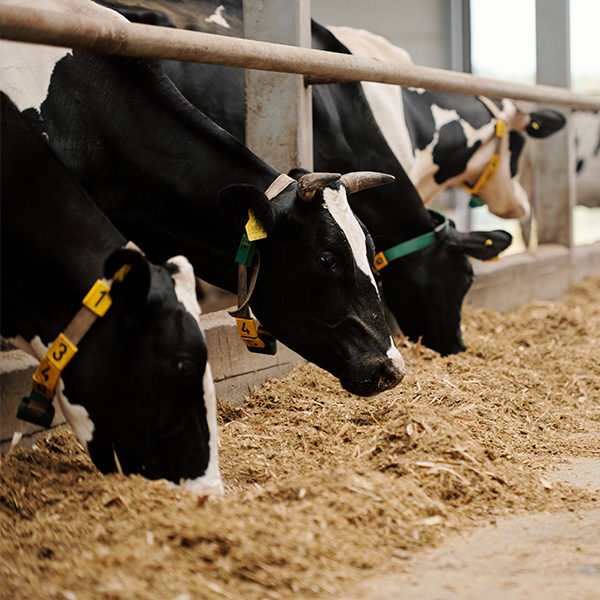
pixel 61 352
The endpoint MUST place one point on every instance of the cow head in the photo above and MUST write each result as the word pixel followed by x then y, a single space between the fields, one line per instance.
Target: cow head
pixel 429 308
pixel 139 391
pixel 315 289
pixel 502 191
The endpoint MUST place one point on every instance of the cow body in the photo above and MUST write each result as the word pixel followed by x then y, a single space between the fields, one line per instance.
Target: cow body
pixel 586 125
pixel 444 139
pixel 423 290
pixel 139 387
pixel 161 170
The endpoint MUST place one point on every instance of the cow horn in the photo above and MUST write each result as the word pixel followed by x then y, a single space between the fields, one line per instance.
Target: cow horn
pixel 362 180
pixel 308 184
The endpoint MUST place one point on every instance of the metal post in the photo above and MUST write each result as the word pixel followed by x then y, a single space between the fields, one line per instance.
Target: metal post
pixel 278 105
pixel 555 172
pixel 460 35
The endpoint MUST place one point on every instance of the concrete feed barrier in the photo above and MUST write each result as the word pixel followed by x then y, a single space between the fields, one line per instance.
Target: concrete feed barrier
pixel 235 371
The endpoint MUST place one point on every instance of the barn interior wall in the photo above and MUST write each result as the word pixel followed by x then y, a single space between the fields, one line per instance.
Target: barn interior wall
pixel 423 28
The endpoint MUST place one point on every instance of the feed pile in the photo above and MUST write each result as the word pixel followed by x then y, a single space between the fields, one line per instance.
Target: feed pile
pixel 323 488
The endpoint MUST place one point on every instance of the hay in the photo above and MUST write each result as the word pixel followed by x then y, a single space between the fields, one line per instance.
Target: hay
pixel 323 487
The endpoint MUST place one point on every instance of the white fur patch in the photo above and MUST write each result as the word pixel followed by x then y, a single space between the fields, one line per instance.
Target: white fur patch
pixel 185 286
pixel 336 202
pixel 26 69
pixel 25 72
pixel 185 289
pixel 394 354
pixel 76 415
pixel 443 116
pixel 218 18
pixel 210 483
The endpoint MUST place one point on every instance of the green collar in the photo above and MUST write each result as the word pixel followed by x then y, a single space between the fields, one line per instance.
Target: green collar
pixel 382 259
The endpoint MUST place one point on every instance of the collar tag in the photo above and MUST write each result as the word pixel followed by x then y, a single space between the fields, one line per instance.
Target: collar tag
pixel 380 261
pixel 98 299
pixel 37 407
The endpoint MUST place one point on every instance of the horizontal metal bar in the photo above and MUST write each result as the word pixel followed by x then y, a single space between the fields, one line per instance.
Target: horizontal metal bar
pixel 147 41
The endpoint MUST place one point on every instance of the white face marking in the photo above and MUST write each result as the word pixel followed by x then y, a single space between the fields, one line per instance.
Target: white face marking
pixel 26 69
pixel 337 204
pixel 218 17
pixel 185 289
pixel 394 354
pixel 210 483
pixel 185 286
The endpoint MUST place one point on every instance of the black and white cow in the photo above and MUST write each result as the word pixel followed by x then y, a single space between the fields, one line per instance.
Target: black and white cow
pixel 161 171
pixel 424 289
pixel 444 139
pixel 139 386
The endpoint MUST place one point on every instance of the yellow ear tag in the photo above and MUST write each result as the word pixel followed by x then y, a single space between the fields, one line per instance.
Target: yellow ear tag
pixel 488 242
pixel 535 125
pixel 254 229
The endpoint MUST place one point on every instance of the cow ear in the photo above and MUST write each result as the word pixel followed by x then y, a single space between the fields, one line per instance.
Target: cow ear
pixel 239 198
pixel 129 293
pixel 544 123
pixel 479 244
pixel 297 173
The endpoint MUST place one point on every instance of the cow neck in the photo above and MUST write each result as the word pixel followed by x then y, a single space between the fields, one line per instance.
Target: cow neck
pixel 493 165
pixel 165 192
pixel 37 408
pixel 437 235
pixel 256 338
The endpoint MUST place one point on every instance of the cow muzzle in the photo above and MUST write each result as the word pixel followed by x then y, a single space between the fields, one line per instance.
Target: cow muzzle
pixel 373 376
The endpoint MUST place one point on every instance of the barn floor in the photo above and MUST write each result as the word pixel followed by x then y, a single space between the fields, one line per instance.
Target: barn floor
pixel 326 489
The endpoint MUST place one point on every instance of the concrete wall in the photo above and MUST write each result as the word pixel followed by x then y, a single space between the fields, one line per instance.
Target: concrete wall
pixel 422 28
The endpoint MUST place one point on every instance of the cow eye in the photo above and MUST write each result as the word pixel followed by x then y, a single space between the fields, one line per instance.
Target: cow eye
pixel 327 261
pixel 187 367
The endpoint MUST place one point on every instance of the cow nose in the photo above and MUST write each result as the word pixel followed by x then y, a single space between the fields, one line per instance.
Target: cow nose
pixel 391 372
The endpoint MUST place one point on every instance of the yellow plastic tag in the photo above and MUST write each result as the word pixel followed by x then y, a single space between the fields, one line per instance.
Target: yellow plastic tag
pixel 500 128
pixel 247 328
pixel 45 378
pixel 61 352
pixel 254 229
pixel 120 274
pixel 253 342
pixel 380 261
pixel 98 299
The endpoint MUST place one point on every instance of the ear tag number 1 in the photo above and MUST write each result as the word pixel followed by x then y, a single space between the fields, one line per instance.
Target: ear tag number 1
pixel 98 299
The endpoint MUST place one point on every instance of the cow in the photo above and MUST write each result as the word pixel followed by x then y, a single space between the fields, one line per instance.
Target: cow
pixel 172 180
pixel 444 139
pixel 424 288
pixel 138 392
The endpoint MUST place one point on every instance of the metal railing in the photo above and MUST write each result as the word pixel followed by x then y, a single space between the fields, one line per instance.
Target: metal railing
pixel 147 41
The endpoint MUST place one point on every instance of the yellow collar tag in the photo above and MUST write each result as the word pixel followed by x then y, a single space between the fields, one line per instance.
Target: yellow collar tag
pixel 254 229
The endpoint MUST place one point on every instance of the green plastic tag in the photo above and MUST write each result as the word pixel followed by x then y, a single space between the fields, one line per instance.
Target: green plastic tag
pixel 245 252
